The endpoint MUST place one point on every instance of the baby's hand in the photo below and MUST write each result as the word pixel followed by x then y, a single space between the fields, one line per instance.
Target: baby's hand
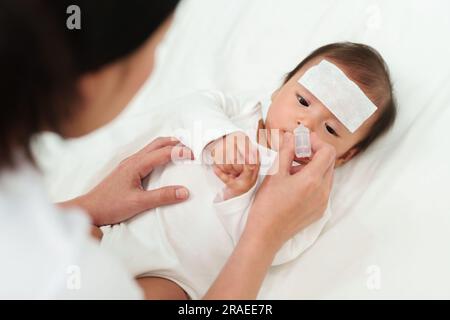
pixel 236 163
pixel 237 178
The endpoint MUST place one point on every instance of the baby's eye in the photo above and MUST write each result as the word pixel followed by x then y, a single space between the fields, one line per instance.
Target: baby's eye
pixel 302 101
pixel 331 130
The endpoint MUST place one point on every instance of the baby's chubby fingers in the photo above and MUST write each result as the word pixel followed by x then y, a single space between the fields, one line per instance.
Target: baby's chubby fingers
pixel 227 169
pixel 250 173
pixel 224 177
pixel 238 168
pixel 230 170
pixel 248 152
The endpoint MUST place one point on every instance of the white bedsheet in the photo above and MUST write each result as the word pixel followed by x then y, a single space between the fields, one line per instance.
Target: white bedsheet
pixel 390 235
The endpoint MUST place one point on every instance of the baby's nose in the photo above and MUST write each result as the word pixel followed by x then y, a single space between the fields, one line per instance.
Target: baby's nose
pixel 311 121
pixel 305 123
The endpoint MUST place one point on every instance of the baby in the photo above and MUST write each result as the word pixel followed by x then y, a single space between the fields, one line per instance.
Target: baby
pixel 181 249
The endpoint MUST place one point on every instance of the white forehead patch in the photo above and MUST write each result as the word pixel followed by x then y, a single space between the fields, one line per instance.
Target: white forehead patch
pixel 339 94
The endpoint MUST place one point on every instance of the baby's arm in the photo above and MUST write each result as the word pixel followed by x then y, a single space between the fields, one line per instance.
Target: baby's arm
pixel 207 116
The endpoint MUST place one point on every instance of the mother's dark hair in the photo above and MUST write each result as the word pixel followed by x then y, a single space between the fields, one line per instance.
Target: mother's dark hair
pixel 41 60
pixel 37 77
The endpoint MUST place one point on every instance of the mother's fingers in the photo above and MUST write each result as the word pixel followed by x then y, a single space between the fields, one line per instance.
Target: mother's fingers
pixel 286 154
pixel 328 178
pixel 316 142
pixel 323 158
pixel 146 162
pixel 159 143
pixel 162 196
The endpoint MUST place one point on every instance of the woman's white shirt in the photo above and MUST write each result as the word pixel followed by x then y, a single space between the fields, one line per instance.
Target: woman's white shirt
pixel 47 252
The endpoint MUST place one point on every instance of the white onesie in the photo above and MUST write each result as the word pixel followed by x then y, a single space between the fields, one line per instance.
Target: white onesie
pixel 189 242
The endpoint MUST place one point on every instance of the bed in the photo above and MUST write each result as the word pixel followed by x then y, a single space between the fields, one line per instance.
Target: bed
pixel 390 233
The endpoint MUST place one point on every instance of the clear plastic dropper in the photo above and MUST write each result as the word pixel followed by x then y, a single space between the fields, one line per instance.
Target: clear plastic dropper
pixel 302 142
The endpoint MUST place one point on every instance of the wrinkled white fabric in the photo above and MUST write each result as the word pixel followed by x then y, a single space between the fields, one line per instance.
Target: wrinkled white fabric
pixel 47 253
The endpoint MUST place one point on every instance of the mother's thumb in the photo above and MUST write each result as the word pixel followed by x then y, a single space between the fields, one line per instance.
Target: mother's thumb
pixel 163 196
pixel 286 154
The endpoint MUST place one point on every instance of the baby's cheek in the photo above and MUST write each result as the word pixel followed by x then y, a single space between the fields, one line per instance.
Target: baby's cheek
pixel 268 121
pixel 340 149
pixel 274 122
pixel 327 138
pixel 273 114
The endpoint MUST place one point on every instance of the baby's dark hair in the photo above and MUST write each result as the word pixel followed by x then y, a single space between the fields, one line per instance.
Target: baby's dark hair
pixel 365 66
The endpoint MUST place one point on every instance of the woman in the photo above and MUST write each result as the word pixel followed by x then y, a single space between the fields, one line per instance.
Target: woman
pixel 72 82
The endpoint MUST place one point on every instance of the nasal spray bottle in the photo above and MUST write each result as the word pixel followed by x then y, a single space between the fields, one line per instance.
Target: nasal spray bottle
pixel 302 142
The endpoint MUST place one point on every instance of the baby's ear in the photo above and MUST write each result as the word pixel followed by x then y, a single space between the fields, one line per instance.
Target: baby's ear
pixel 346 157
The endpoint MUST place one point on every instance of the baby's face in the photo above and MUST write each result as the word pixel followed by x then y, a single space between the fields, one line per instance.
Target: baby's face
pixel 293 104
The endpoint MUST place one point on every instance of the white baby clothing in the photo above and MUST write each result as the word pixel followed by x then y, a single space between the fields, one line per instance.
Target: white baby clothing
pixel 189 242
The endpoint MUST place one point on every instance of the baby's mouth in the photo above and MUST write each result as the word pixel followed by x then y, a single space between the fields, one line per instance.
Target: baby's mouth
pixel 302 161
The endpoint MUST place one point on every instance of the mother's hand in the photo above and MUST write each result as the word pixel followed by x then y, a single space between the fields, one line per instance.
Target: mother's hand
pixel 292 199
pixel 121 195
pixel 287 202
